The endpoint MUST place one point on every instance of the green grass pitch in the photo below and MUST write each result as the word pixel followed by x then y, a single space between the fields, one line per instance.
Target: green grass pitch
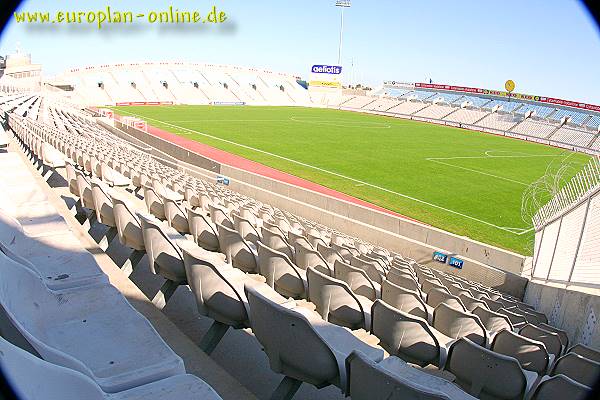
pixel 465 182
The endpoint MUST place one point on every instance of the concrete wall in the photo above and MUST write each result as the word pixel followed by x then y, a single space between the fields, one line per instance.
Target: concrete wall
pixel 575 309
pixel 487 264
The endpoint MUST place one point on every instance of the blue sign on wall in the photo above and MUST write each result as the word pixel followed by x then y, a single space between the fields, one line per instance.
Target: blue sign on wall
pixel 326 69
pixel 223 180
pixel 456 262
pixel 440 257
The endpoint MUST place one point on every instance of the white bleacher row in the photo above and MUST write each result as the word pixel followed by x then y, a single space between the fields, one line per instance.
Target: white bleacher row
pixel 61 302
pixel 182 83
pixel 578 131
pixel 342 300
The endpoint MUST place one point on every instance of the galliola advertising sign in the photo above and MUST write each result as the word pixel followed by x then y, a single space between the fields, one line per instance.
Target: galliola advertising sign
pixel 326 69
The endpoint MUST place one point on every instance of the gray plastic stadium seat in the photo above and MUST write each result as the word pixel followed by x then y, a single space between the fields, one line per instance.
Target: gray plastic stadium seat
pixel 343 251
pixel 358 280
pixel 564 339
pixel 294 238
pixel 202 230
pixel 550 339
pixel 128 225
pixel 372 268
pixel 329 254
pixel 586 352
pixel 471 303
pixel 219 216
pixel 578 368
pixel 303 347
pixel 531 354
pixel 53 382
pixel 281 273
pixel 76 329
pixel 486 374
pixel 102 203
pixel 336 302
pixel 517 320
pixel 394 379
pixel 71 178
pixel 403 280
pixel 240 253
pixel 85 190
pixel 437 296
pixel 560 387
pixel 407 336
pixel 176 216
pixel 219 292
pixel 274 239
pixel 492 304
pixel 405 300
pixel 428 284
pixel 245 228
pixel 492 321
pixel 308 257
pixel 456 324
pixel 154 203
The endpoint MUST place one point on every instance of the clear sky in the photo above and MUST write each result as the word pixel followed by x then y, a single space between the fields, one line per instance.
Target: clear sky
pixel 548 47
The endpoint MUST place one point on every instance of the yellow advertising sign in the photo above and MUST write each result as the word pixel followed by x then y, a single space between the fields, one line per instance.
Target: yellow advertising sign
pixel 509 85
pixel 331 84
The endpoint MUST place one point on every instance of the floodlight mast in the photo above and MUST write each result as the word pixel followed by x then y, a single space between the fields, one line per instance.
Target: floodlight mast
pixel 342 4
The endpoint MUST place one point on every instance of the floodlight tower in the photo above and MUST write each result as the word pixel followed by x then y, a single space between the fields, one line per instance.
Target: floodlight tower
pixel 342 4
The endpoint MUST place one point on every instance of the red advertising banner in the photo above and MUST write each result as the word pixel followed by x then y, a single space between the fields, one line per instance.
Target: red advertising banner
pixel 550 100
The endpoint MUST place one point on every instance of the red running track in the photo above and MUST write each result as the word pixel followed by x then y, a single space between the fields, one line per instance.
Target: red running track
pixel 233 160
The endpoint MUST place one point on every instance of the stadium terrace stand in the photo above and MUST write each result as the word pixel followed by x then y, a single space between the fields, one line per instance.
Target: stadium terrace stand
pixel 179 83
pixel 328 309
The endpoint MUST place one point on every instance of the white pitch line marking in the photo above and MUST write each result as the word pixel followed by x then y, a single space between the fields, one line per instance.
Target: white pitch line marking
pixel 510 230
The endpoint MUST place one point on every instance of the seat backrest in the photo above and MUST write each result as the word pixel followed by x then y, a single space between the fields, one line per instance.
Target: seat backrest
pixel 373 269
pixel 203 232
pixel 176 217
pixel 456 324
pixel 308 257
pixel 215 295
pixel 516 320
pixel 564 338
pixel 492 321
pixel 343 251
pixel 492 304
pixel 51 381
pixel 274 239
pixel 102 203
pixel 404 335
pixel 471 303
pixel 154 203
pixel 290 342
pixel 329 254
pixel 164 256
pixel 403 299
pixel 293 238
pixel 219 217
pixel 586 352
pixel 484 373
pixel 437 296
pixel 560 387
pixel 403 280
pixel 245 228
pixel 236 249
pixel 329 294
pixel 550 339
pixel 428 284
pixel 128 225
pixel 531 354
pixel 85 190
pixel 357 279
pixel 280 272
pixel 581 369
pixel 369 380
